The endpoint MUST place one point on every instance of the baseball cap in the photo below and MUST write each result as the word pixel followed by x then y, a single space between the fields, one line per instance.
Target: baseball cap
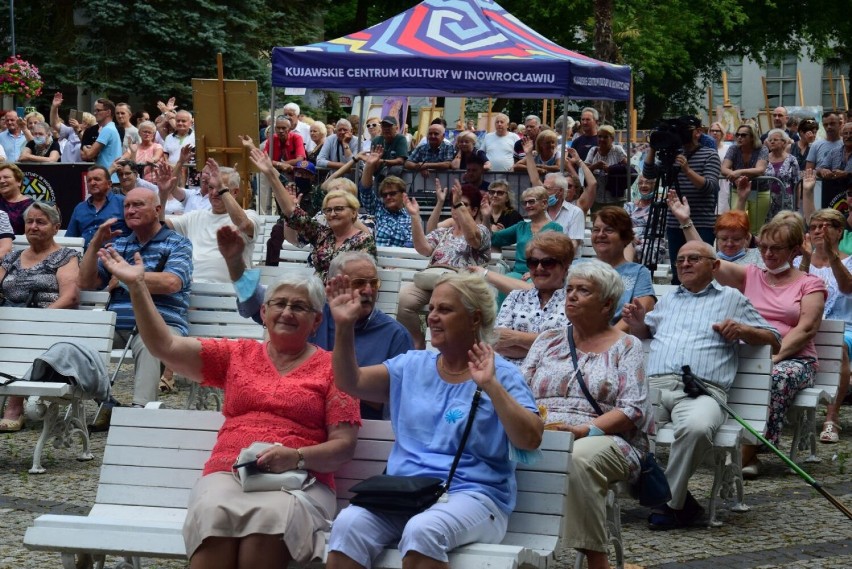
pixel 390 120
pixel 306 166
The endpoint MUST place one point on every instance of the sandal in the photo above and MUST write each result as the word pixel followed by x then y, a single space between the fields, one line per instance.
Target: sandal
pixel 830 433
pixel 167 382
pixel 12 425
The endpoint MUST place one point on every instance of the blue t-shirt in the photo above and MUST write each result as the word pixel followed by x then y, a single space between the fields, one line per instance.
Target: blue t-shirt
pixel 637 283
pixel 111 150
pixel 429 416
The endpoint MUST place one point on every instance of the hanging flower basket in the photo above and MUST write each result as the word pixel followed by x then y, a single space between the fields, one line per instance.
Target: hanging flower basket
pixel 20 79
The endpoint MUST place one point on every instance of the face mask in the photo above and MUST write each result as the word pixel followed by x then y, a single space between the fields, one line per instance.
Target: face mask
pixel 39 140
pixel 738 255
pixel 648 196
pixel 551 201
pixel 779 270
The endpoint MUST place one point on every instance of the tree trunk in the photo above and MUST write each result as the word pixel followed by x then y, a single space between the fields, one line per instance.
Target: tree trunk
pixel 605 48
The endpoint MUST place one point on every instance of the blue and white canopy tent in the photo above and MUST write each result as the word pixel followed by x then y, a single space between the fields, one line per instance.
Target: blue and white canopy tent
pixel 439 48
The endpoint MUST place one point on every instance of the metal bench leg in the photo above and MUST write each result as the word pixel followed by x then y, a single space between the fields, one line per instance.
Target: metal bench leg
pixel 798 420
pixel 613 523
pixel 51 418
pixel 77 426
pixel 69 560
pixel 62 430
pixel 810 425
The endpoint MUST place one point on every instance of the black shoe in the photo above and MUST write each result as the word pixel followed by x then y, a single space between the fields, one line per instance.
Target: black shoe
pixel 102 419
pixel 666 518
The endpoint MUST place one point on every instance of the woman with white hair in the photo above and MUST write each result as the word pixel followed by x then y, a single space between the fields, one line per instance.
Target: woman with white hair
pixel 611 423
pixel 429 395
pixel 42 148
pixel 281 390
pixel 784 166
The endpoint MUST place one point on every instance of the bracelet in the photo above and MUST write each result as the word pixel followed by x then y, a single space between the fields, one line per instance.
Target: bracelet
pixel 354 158
pixel 595 431
pixel 222 192
pixel 458 205
pixel 485 273
pixel 686 225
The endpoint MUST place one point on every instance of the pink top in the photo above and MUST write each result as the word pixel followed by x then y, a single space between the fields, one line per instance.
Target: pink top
pixel 147 155
pixel 261 405
pixel 782 305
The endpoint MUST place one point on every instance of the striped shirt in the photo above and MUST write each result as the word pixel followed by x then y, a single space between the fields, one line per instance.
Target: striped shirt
pixel 702 201
pixel 681 326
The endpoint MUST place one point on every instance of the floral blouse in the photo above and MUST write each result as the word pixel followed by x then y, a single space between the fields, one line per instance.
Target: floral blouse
pixel 453 250
pixel 615 378
pixel 522 311
pixel 323 241
pixel 781 196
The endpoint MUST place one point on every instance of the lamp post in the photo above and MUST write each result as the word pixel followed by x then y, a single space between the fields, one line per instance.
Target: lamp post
pixel 12 23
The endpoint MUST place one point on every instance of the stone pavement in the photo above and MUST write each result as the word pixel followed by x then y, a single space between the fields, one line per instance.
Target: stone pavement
pixel 789 525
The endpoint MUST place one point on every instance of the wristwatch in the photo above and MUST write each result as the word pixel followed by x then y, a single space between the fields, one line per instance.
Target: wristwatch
pixel 458 205
pixel 223 191
pixel 300 464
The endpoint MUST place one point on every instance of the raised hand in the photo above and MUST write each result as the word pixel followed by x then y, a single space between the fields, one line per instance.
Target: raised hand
pixel 411 205
pixel 529 146
pixel 246 141
pixel 343 302
pixel 121 269
pixel 262 161
pixel 485 208
pixel 105 233
pixel 807 245
pixel 230 242
pixel 186 153
pixel 481 364
pixel 375 154
pixel 633 313
pixel 166 180
pixel 440 191
pixel 214 180
pixel 809 179
pixel 457 191
pixel 679 207
pixel 57 100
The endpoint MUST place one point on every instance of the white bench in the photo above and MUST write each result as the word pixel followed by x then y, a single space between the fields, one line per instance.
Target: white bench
pixel 20 242
pixel 154 456
pixel 25 334
pixel 258 256
pixel 802 413
pixel 749 398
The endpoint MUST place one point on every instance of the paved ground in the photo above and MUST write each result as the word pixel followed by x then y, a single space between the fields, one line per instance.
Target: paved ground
pixel 790 525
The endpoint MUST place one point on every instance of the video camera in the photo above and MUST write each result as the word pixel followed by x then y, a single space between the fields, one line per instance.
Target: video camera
pixel 669 137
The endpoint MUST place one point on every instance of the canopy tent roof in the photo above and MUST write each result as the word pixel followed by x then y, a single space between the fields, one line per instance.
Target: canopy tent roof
pixel 450 48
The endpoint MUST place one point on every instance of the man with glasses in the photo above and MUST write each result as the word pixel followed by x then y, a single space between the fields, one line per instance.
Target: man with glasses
pixel 699 325
pixel 698 169
pixel 106 149
pixel 436 154
pixel 393 224
pixel 101 205
pixel 378 337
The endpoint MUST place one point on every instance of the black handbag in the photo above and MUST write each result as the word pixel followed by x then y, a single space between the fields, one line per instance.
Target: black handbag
pixel 409 495
pixel 652 489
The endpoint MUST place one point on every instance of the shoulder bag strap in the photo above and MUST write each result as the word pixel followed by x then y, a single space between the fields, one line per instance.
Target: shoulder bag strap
pixel 473 407
pixel 580 380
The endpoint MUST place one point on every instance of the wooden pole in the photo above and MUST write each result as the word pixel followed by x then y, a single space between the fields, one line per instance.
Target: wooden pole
pixel 766 96
pixel 544 110
pixel 488 124
pixel 223 119
pixel 709 104
pixel 461 113
pixel 725 100
pixel 552 113
pixel 843 92
pixel 801 88
pixel 831 90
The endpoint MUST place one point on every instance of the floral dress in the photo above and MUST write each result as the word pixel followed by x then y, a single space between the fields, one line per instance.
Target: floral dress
pixel 615 378
pixel 781 196
pixel 453 250
pixel 39 280
pixel 522 312
pixel 323 240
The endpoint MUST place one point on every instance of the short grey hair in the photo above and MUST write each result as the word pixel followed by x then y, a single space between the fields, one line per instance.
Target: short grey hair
pixel 532 118
pixel 231 177
pixel 602 274
pixel 558 179
pixel 51 211
pixel 292 107
pixel 343 122
pixel 537 192
pixel 45 127
pixel 340 261
pixel 594 111
pixel 148 125
pixel 311 284
pixel 780 131
pixel 475 295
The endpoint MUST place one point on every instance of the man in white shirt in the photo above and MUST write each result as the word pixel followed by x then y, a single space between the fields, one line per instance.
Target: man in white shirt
pixel 200 226
pixel 292 111
pixel 566 214
pixel 182 136
pixel 499 145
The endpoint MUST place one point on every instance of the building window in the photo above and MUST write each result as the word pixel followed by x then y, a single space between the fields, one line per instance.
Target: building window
pixel 734 71
pixel 781 82
pixel 832 88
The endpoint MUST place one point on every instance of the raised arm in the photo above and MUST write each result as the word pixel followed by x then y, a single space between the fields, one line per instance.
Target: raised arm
pixel 633 314
pixel 587 198
pixel 370 383
pixel 808 184
pixel 55 121
pixel 440 199
pixel 532 169
pixel 263 163
pixel 88 278
pixel 181 354
pixel 421 244
pixel 467 224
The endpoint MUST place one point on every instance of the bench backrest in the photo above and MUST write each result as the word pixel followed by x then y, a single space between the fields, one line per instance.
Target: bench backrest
pixel 213 313
pixel 20 242
pixel 154 456
pixel 93 299
pixel 25 333
pixel 830 345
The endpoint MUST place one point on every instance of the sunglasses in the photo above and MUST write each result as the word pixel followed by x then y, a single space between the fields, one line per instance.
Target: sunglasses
pixel 530 202
pixel 497 192
pixel 372 124
pixel 390 194
pixel 742 134
pixel 546 263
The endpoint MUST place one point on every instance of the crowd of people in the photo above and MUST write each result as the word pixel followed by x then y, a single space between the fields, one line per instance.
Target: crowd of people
pixel 552 342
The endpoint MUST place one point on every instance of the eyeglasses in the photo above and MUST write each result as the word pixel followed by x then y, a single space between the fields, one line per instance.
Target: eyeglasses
pixel 335 209
pixel 361 283
pixel 530 202
pixel 296 307
pixel 372 124
pixel 390 194
pixel 715 131
pixel 497 192
pixel 546 263
pixel 692 259
pixel 96 111
pixel 742 134
pixel 774 249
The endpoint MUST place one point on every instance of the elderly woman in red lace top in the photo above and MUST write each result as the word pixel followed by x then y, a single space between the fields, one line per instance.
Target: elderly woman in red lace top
pixel 280 391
